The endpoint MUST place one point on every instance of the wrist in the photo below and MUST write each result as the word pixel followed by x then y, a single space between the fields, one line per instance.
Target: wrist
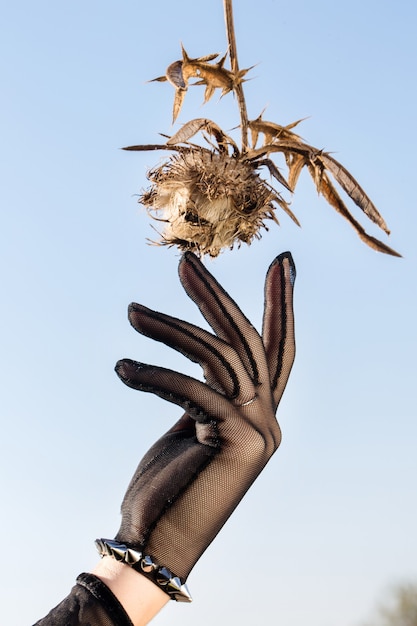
pixel 140 597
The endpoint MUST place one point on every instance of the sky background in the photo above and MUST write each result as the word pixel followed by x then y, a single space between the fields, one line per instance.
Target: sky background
pixel 331 522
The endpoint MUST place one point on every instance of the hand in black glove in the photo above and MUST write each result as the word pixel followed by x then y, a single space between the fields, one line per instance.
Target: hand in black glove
pixel 193 477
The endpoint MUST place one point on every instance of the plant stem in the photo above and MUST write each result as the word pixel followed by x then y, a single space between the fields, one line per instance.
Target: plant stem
pixel 238 89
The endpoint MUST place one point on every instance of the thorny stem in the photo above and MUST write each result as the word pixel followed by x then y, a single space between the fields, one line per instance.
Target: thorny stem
pixel 238 89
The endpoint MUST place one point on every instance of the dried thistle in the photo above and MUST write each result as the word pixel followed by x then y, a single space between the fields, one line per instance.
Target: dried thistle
pixel 212 197
pixel 208 201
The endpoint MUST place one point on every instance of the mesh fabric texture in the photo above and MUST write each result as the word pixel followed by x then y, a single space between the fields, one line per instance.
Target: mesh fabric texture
pixel 193 477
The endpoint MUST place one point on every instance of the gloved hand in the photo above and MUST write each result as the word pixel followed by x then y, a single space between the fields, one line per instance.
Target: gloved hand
pixel 193 477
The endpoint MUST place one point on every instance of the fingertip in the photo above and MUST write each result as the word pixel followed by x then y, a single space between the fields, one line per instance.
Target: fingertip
pixel 285 260
pixel 187 256
pixel 287 256
pixel 133 309
pixel 191 271
pixel 119 368
pixel 186 260
pixel 123 369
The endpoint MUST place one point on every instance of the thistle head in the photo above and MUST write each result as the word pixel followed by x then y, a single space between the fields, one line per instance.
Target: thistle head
pixel 208 201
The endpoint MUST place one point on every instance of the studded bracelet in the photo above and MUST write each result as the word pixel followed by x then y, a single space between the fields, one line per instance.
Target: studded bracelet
pixel 158 574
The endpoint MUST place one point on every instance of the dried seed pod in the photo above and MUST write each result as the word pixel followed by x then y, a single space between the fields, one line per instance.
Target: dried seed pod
pixel 208 201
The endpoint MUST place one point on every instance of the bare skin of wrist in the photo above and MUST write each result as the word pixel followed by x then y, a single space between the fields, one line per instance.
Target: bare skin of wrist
pixel 140 598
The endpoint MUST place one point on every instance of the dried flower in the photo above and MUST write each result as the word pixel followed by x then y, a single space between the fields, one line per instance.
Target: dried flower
pixel 213 198
pixel 209 201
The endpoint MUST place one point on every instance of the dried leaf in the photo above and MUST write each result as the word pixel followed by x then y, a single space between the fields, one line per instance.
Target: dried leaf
pixel 340 173
pixel 353 189
pixel 187 131
pixel 223 140
pixel 208 93
pixel 274 171
pixel 317 162
pixel 286 147
pixel 285 207
pixel 191 128
pixel 377 245
pixel 295 163
pixel 330 194
pixel 271 131
pixel 316 170
pixel 150 147
pixel 159 79
pixel 208 57
pixel 178 100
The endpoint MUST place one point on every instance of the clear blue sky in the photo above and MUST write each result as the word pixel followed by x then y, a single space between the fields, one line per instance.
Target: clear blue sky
pixel 331 521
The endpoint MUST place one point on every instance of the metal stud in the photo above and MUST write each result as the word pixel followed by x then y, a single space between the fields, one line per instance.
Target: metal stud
pixel 183 595
pixel 174 585
pixel 132 556
pixel 147 565
pixel 163 576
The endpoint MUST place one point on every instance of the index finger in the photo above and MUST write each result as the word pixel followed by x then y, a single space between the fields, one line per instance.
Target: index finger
pixel 223 315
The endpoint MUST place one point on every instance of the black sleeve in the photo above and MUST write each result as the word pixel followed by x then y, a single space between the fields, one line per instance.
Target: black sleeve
pixel 90 603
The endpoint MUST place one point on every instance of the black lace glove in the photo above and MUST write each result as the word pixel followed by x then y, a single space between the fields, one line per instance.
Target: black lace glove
pixel 193 477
